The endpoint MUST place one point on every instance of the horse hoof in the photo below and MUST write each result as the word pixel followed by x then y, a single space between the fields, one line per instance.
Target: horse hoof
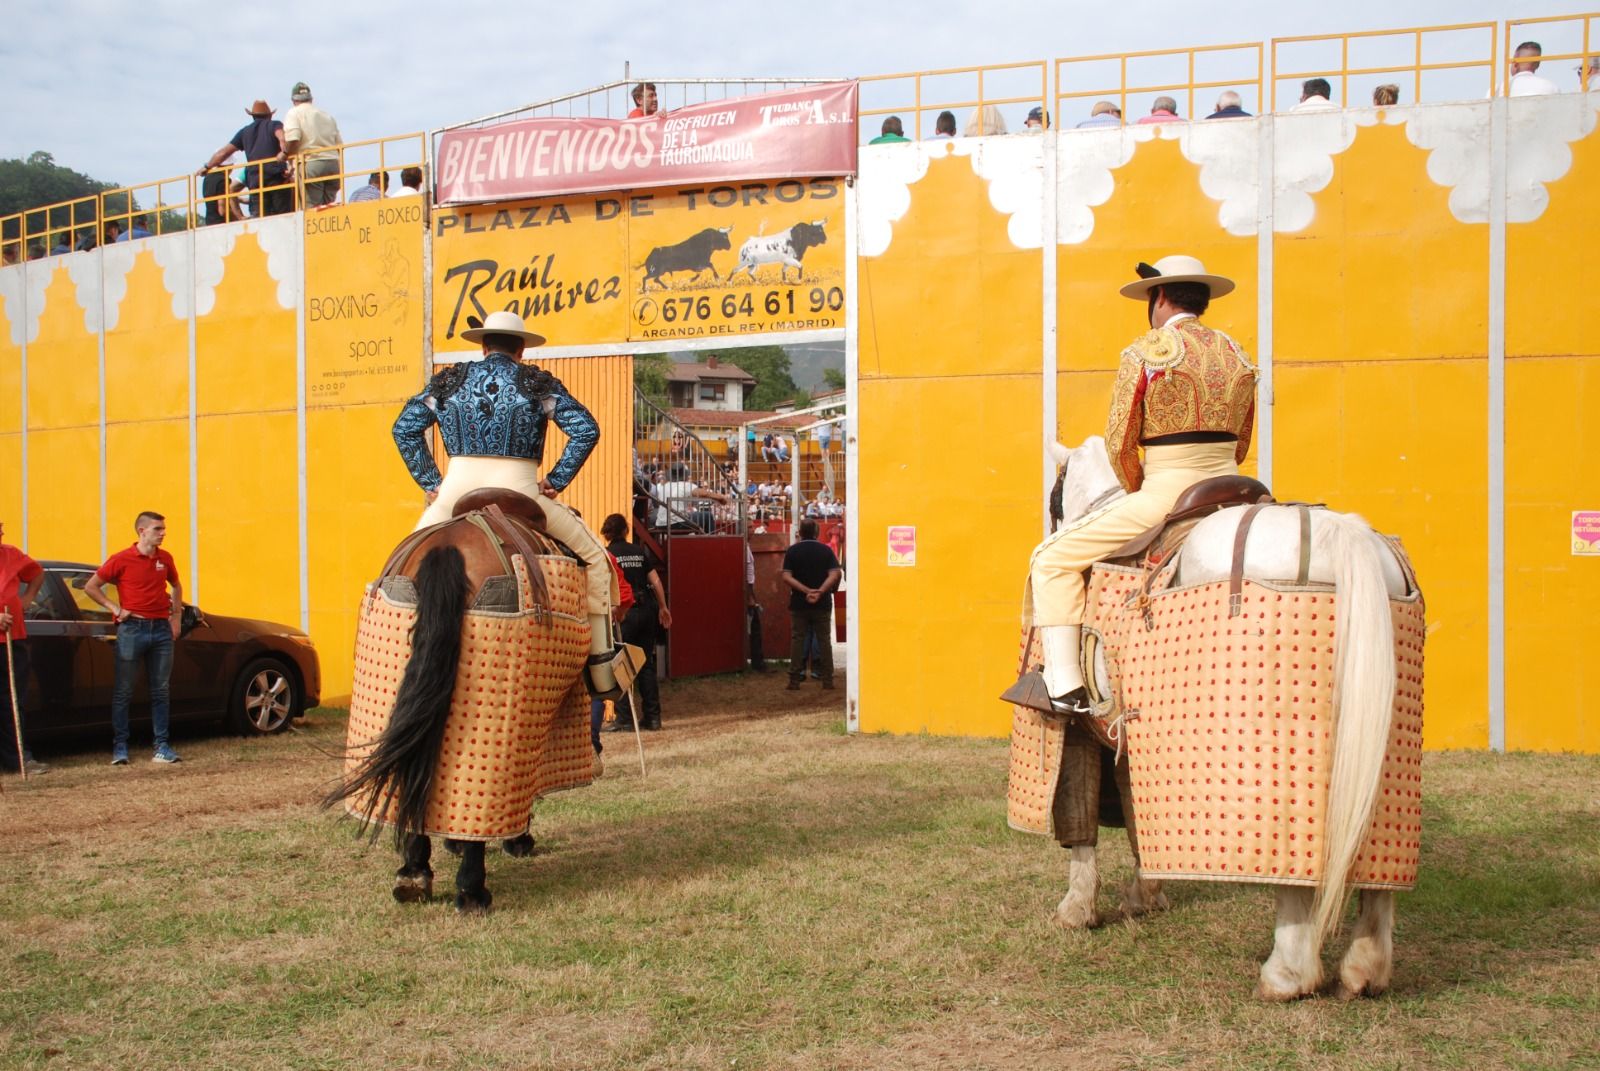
pixel 1143 898
pixel 1280 986
pixel 1075 915
pixel 519 847
pixel 413 889
pixel 473 905
pixel 1353 986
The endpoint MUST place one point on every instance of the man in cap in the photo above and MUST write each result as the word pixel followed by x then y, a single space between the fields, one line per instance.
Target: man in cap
pixel 1035 122
pixel 1185 395
pixel 264 153
pixel 311 135
pixel 492 414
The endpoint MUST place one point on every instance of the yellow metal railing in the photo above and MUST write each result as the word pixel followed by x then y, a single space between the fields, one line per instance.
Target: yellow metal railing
pixel 1585 26
pixel 182 202
pixel 1340 73
pixel 1123 87
pixel 920 101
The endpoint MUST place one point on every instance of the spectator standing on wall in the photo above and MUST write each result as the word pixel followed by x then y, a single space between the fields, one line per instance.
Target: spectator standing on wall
pixel 944 126
pixel 812 573
pixel 310 136
pixel 148 622
pixel 1229 106
pixel 644 100
pixel 643 622
pixel 377 182
pixel 1314 96
pixel 892 131
pixel 1104 113
pixel 1524 82
pixel 1385 95
pixel 20 580
pixel 1162 110
pixel 985 121
pixel 410 182
pixel 263 147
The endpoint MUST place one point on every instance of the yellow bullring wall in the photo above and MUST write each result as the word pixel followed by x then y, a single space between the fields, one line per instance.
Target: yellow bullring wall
pixel 1407 277
pixel 212 350
pixel 1411 280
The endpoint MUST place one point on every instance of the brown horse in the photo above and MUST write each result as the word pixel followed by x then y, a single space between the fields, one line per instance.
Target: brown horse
pixel 404 769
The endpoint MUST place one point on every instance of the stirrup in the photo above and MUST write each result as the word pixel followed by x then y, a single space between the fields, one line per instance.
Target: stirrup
pixel 600 678
pixel 1030 692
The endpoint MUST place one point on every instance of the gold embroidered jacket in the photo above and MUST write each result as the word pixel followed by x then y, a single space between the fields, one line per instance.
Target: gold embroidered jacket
pixel 1181 377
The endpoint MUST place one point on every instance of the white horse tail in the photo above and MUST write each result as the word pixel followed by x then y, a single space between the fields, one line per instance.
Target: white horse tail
pixel 1363 702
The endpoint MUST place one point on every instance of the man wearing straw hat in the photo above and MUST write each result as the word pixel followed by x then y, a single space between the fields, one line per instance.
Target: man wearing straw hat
pixel 1184 399
pixel 492 414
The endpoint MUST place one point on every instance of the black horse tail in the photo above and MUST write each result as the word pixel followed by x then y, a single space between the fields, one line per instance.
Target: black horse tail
pixel 399 769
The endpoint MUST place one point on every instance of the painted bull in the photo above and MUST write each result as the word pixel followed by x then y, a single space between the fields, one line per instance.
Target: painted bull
pixel 691 254
pixel 787 249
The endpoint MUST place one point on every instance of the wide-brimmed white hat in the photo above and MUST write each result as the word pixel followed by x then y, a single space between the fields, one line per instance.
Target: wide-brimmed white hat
pixel 503 323
pixel 1175 269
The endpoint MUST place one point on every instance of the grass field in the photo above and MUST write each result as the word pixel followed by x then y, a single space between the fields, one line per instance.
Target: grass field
pixel 775 894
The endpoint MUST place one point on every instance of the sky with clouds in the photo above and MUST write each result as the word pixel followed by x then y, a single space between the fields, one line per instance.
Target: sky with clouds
pixel 132 92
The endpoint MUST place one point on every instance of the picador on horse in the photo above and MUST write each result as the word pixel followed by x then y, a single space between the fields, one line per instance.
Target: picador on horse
pixel 475 643
pixel 1238 681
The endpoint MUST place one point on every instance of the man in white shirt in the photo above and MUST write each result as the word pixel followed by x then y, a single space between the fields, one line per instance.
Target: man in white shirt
pixel 410 182
pixel 1525 83
pixel 1314 96
pixel 308 134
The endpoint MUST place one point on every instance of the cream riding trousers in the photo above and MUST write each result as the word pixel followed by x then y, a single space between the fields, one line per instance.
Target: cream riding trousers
pixel 1056 574
pixel 468 473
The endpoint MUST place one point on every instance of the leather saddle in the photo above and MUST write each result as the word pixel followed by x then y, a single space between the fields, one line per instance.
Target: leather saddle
pixel 511 503
pixel 1200 499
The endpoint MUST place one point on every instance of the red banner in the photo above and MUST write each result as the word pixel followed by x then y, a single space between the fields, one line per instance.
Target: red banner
pixel 793 133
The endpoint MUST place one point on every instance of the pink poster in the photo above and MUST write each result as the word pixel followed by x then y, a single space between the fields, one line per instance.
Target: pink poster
pixel 792 133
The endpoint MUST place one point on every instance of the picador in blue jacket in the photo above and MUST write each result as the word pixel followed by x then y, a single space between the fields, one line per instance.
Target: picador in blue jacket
pixel 492 414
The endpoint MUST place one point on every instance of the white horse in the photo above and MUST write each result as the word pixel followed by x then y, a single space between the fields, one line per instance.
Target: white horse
pixel 1360 564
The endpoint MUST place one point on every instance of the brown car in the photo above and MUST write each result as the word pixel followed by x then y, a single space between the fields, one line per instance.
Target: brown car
pixel 254 676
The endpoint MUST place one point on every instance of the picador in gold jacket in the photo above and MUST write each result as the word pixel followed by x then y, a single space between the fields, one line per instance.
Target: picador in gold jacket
pixel 1186 395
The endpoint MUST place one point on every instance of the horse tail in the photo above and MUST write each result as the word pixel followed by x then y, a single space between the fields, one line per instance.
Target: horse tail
pixel 399 769
pixel 1363 703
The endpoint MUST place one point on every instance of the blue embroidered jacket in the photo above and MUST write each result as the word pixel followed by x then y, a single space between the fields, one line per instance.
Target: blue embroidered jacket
pixel 494 407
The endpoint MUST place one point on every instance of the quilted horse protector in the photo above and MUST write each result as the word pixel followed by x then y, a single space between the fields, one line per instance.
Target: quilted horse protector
pixel 1224 711
pixel 518 725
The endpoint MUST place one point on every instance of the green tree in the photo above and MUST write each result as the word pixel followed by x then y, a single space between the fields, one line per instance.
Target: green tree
pixel 650 376
pixel 833 378
pixel 802 399
pixel 38 182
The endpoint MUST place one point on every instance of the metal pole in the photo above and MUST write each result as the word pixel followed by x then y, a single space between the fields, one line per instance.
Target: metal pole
pixel 16 708
pixel 794 491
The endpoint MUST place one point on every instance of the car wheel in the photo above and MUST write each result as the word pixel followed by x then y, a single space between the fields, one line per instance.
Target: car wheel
pixel 266 698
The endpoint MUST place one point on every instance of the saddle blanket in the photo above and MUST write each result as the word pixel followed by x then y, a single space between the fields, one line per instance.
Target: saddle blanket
pixel 518 727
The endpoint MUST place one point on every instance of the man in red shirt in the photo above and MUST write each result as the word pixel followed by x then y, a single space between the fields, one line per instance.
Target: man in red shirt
pixel 147 626
pixel 20 580
pixel 644 100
